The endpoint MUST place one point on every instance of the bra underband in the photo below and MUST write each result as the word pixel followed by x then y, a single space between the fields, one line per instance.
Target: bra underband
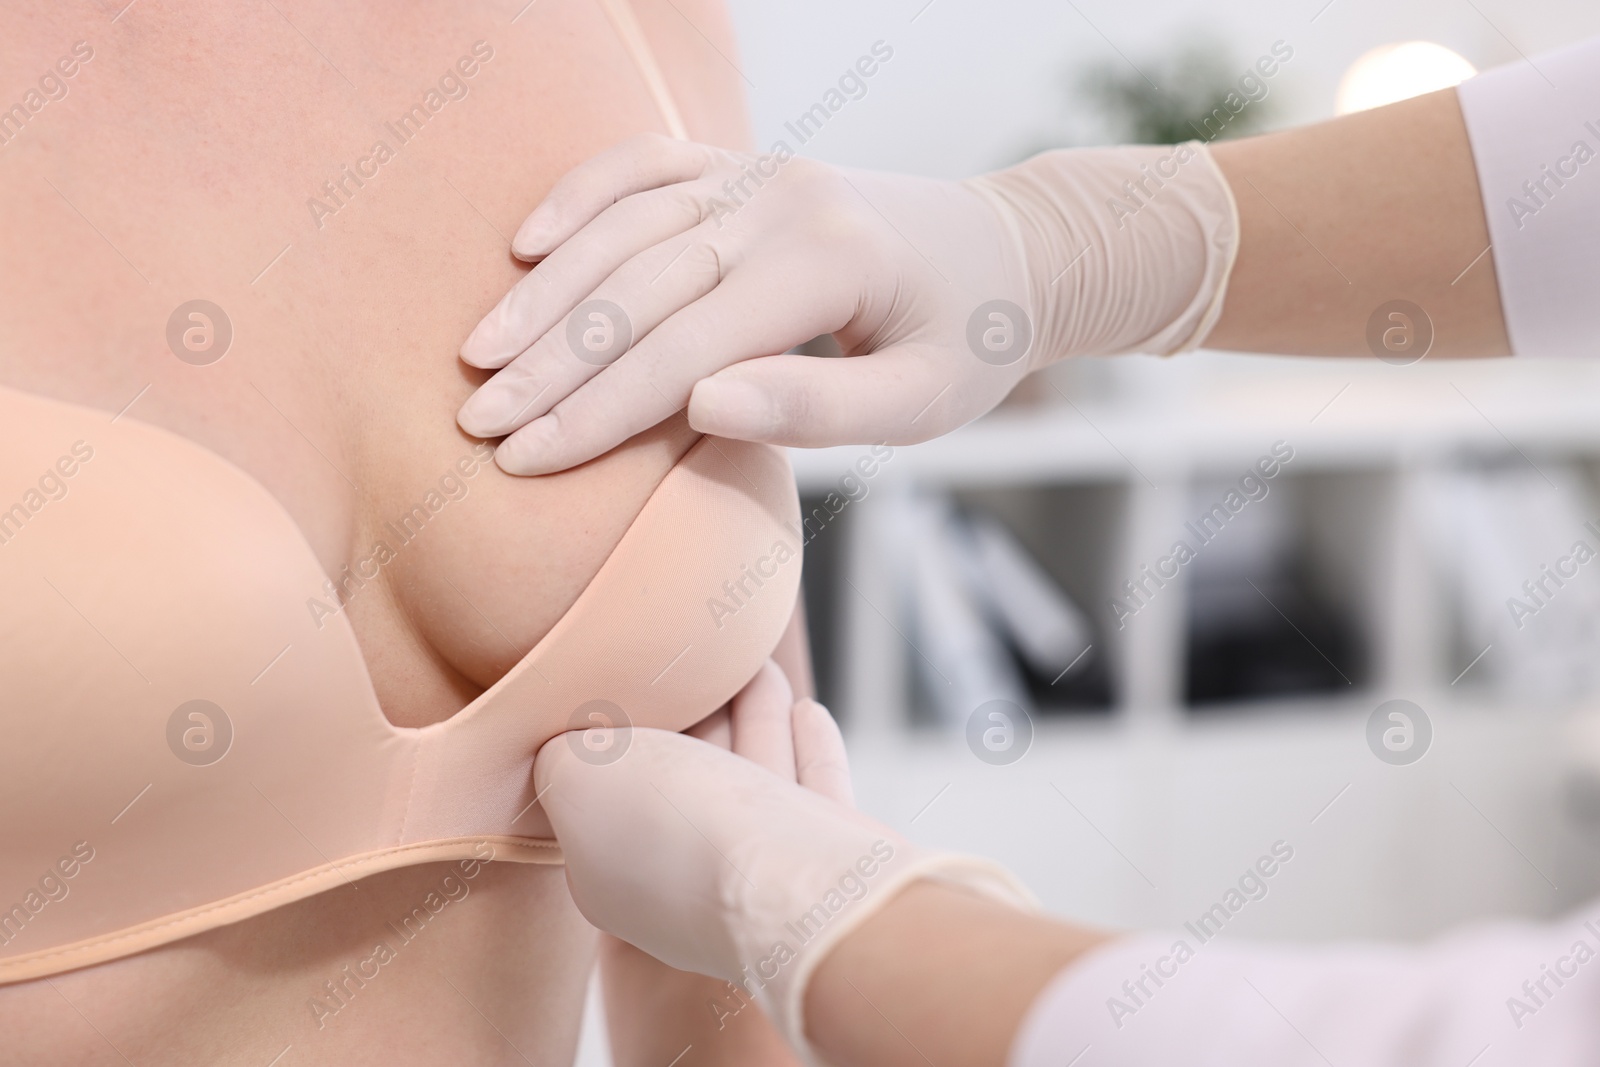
pixel 140 572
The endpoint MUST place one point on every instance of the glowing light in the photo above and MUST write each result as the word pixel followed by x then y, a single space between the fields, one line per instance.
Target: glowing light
pixel 1394 72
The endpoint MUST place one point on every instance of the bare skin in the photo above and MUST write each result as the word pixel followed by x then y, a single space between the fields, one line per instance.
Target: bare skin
pixel 939 975
pixel 681 1018
pixel 179 166
pixel 1343 216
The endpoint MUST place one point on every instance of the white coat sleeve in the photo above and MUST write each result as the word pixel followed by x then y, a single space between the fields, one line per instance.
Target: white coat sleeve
pixel 1535 132
pixel 1503 995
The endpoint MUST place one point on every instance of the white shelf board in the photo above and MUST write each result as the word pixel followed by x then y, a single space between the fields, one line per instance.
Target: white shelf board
pixel 1336 414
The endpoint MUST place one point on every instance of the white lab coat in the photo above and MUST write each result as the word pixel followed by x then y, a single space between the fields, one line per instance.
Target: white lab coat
pixel 1500 995
pixel 1535 132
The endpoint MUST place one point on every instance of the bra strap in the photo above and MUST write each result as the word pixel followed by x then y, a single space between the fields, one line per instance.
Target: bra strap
pixel 623 20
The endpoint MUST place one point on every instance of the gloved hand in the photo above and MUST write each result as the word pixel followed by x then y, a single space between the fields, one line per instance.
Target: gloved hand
pixel 715 863
pixel 674 273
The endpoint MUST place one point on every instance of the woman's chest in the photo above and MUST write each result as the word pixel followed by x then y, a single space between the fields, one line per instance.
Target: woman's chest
pixel 285 276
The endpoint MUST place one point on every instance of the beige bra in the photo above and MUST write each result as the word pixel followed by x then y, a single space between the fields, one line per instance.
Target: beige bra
pixel 188 745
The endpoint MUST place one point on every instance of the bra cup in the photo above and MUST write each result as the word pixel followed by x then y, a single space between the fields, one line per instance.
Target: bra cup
pixel 156 574
pixel 683 613
pixel 160 577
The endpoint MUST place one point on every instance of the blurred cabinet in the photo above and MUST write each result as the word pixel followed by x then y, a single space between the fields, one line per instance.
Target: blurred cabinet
pixel 1337 547
pixel 1236 691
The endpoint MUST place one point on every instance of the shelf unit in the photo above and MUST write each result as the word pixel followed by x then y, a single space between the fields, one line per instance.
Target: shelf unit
pixel 1106 483
pixel 1097 474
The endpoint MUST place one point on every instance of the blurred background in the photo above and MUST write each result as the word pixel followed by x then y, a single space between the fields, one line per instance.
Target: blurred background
pixel 1024 665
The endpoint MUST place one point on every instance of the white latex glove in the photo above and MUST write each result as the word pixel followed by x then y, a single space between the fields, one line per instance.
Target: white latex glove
pixel 726 863
pixel 676 274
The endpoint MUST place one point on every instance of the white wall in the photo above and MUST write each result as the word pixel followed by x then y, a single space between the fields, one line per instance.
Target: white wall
pixel 975 85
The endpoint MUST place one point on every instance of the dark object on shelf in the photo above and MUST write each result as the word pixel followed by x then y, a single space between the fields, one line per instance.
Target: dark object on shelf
pixel 1048 637
pixel 1085 689
pixel 1272 638
pixel 821 580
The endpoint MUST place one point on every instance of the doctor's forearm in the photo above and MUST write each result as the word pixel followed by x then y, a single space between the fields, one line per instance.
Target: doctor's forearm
pixel 939 975
pixel 1339 218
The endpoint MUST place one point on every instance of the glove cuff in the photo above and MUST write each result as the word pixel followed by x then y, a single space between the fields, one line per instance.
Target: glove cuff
pixel 1126 249
pixel 784 1001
